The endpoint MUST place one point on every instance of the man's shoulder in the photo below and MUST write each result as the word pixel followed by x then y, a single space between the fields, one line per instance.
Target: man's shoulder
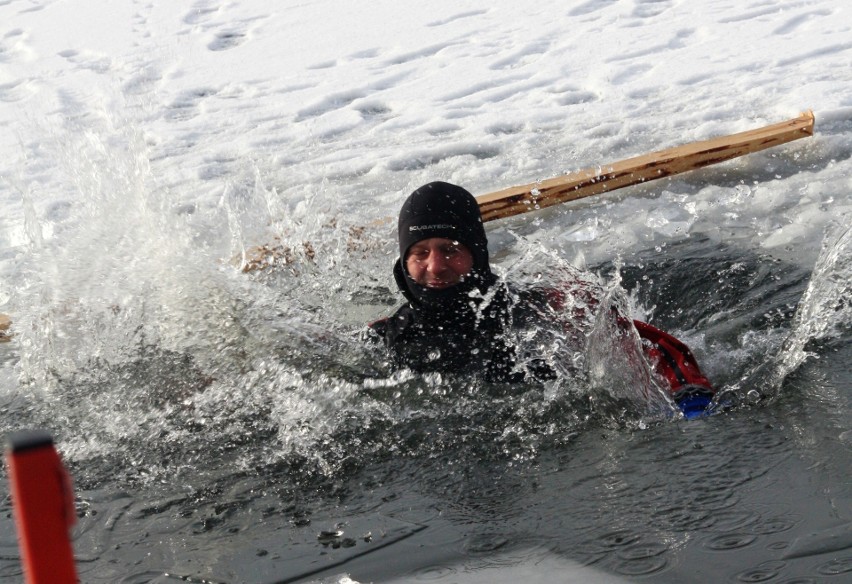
pixel 393 325
pixel 380 327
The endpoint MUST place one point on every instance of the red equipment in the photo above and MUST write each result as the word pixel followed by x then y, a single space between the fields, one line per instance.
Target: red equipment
pixel 43 501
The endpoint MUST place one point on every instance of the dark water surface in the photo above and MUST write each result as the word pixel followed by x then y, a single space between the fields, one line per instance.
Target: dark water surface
pixel 312 462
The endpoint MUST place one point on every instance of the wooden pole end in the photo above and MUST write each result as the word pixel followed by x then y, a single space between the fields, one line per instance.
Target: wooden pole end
pixel 5 324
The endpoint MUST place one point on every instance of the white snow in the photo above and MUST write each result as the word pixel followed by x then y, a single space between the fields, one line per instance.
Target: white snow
pixel 379 97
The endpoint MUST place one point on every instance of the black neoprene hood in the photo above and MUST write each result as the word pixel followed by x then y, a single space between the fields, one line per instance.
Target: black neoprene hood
pixel 441 209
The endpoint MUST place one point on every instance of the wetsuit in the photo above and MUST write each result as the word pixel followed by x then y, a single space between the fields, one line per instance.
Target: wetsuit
pixel 476 342
pixel 419 340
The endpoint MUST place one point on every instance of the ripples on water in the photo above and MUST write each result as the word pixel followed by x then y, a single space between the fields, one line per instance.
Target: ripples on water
pixel 204 410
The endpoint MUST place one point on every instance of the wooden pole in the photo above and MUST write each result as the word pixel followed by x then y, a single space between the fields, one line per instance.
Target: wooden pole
pixel 5 323
pixel 594 181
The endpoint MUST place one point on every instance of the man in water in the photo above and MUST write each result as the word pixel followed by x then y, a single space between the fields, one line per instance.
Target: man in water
pixel 458 317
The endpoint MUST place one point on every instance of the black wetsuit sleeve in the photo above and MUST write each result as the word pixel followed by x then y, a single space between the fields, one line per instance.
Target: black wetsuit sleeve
pixel 377 331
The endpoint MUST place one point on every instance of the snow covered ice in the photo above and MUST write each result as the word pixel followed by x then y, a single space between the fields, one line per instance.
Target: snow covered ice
pixel 376 99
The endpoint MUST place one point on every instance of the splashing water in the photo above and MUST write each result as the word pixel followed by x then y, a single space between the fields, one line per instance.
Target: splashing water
pixel 824 313
pixel 146 351
pixel 154 337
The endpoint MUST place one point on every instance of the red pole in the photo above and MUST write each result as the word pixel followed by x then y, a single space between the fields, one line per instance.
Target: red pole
pixel 43 501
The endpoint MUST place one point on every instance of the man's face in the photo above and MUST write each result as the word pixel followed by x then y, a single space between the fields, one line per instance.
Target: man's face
pixel 438 263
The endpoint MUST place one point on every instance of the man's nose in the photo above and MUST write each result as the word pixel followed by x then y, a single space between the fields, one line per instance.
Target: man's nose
pixel 437 262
